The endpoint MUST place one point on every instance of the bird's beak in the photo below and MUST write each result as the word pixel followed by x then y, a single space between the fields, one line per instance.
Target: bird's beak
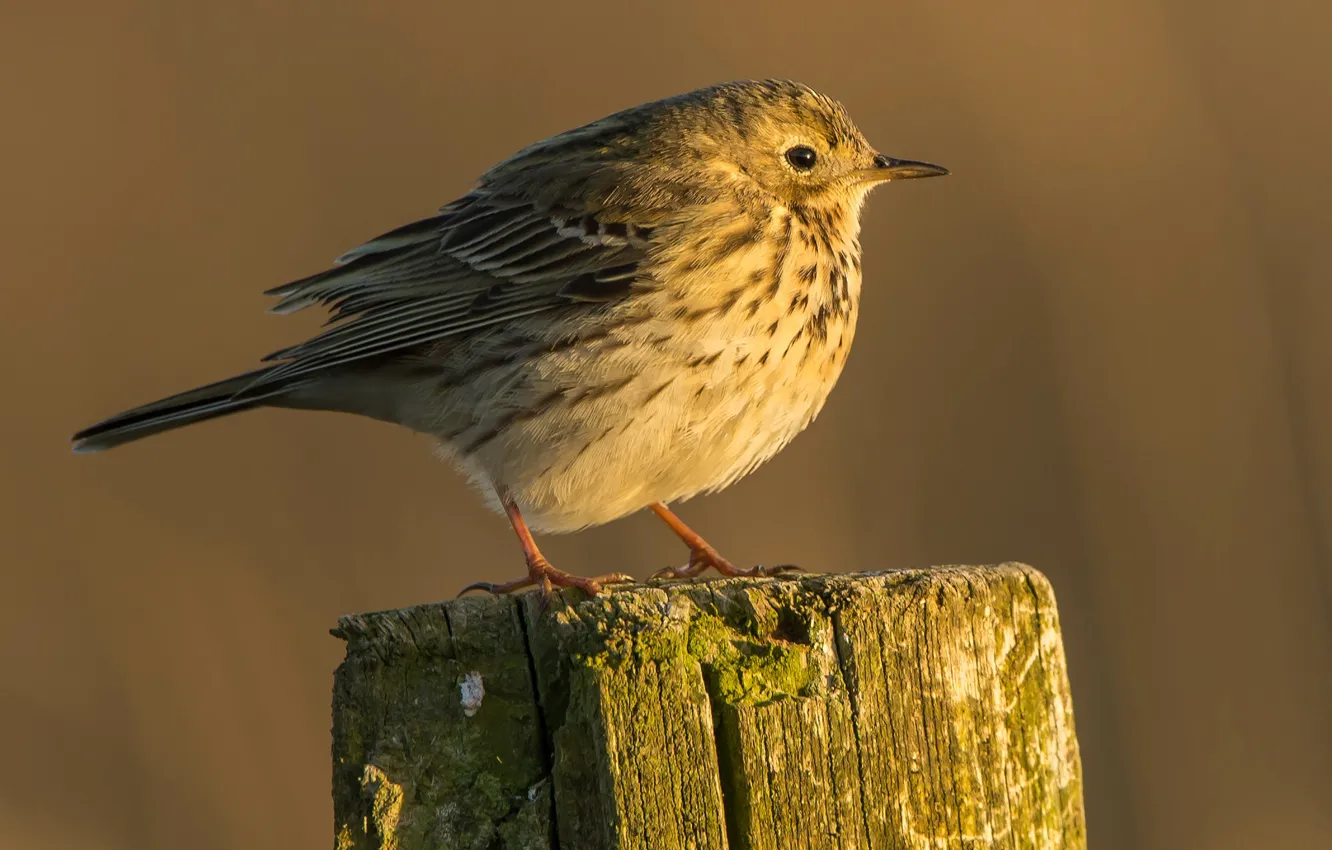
pixel 887 168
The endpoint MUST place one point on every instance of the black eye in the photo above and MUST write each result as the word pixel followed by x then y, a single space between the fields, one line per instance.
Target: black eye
pixel 802 157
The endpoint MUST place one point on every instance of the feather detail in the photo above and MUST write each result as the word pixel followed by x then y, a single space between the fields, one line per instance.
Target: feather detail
pixel 484 260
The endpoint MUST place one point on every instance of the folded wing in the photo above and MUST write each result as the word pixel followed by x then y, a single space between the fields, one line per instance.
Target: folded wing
pixel 484 260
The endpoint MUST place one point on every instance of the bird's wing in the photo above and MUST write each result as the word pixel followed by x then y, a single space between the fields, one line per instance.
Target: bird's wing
pixel 483 260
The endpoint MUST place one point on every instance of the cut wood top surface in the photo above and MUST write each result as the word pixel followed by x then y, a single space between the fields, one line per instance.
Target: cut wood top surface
pixel 913 708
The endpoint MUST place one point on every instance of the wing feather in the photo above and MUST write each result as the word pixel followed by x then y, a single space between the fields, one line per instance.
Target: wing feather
pixel 484 260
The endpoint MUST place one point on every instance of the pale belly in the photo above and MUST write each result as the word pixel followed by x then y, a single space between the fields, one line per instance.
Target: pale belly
pixel 672 430
pixel 709 378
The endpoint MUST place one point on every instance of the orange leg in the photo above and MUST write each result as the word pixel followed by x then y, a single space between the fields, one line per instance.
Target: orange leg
pixel 539 570
pixel 701 554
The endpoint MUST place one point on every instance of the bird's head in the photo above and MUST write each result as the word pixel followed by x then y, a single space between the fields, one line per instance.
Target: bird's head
pixel 773 140
pixel 779 137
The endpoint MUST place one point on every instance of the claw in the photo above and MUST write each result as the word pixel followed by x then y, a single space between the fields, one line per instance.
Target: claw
pixel 539 570
pixel 541 573
pixel 702 556
pixel 700 559
pixel 700 562
pixel 689 570
pixel 492 587
pixel 776 570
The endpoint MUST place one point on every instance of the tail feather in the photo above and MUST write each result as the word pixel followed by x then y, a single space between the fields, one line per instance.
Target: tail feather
pixel 196 405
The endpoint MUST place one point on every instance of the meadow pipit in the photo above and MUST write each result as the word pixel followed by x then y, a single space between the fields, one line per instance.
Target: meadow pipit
pixel 622 316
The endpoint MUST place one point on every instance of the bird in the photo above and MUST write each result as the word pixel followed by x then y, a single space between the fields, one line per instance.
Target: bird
pixel 622 316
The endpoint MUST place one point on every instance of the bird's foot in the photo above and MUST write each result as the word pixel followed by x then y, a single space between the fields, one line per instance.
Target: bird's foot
pixel 540 573
pixel 704 557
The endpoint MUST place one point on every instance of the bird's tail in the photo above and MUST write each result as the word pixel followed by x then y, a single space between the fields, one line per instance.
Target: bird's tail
pixel 196 405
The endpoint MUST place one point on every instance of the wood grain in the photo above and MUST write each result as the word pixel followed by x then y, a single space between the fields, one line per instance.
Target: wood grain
pixel 904 709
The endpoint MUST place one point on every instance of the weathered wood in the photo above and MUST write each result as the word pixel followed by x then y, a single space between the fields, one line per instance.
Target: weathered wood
pixel 910 709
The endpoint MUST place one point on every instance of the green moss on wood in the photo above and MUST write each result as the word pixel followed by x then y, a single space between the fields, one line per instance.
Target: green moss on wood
pixel 907 709
pixel 400 721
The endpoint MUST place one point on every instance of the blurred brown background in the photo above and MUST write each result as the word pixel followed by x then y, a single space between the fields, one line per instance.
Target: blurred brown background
pixel 1101 347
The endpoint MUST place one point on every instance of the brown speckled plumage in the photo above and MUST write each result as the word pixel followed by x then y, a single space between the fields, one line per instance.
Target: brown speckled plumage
pixel 621 316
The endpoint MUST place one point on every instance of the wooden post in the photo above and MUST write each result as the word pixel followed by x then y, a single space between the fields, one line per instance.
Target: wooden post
pixel 909 709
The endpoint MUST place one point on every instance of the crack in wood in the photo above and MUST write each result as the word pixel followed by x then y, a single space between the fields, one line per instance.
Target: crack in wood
pixel 913 709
